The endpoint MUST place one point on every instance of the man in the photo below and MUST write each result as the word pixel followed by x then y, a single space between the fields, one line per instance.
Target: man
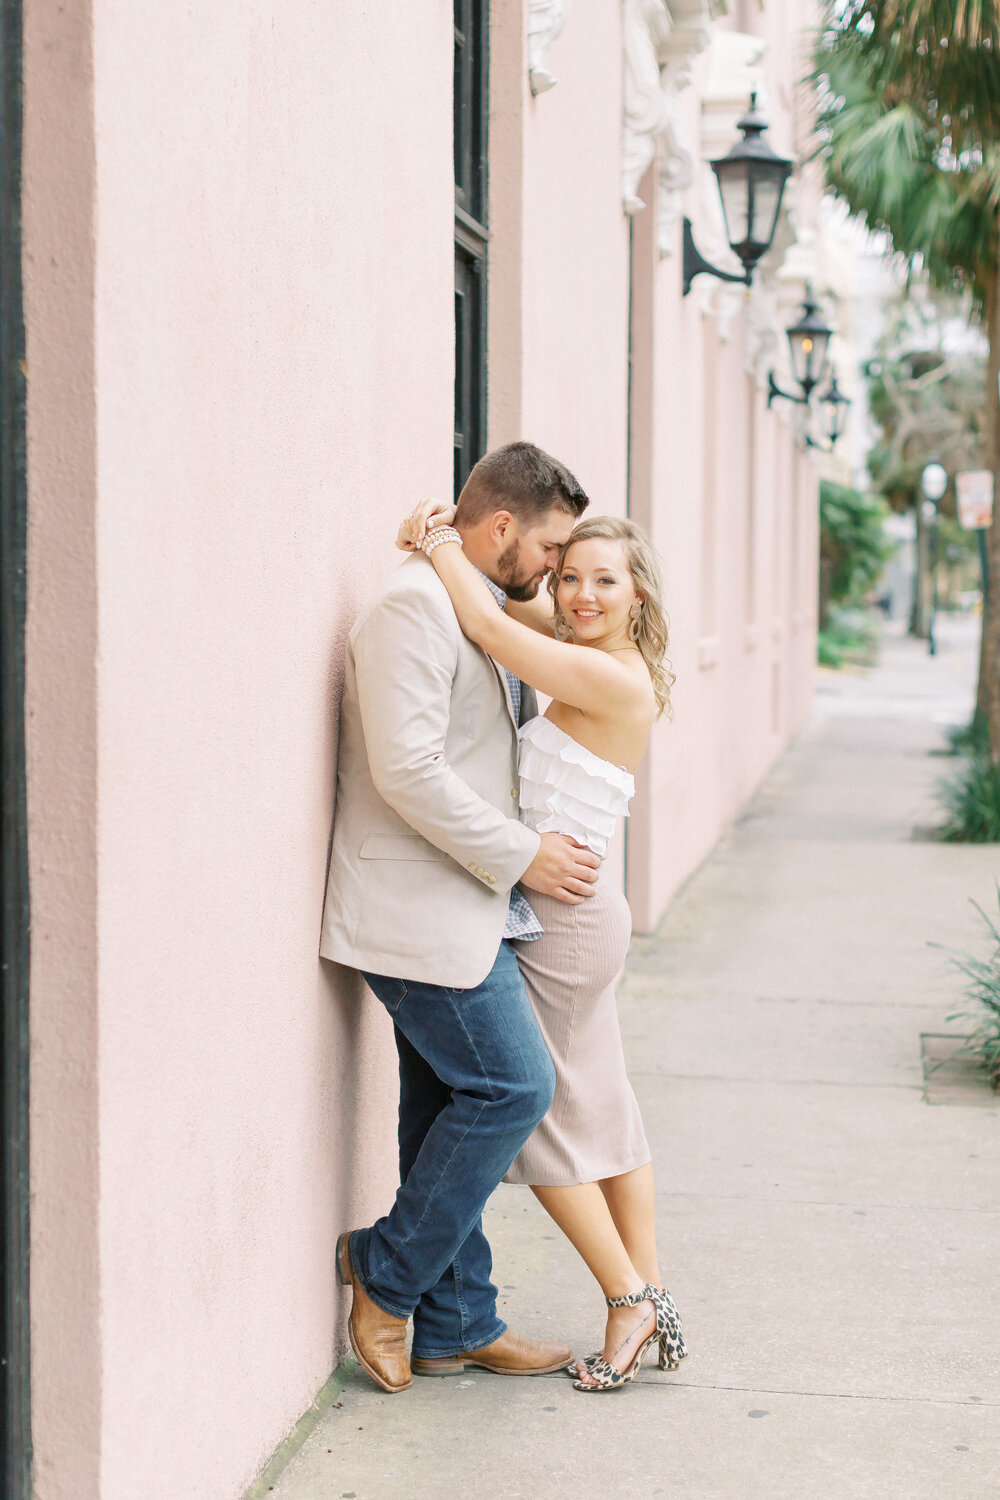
pixel 422 898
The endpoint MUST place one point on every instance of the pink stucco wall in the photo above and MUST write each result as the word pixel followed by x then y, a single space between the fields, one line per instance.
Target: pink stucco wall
pixel 238 255
pixel 737 536
pixel 241 373
pixel 61 647
pixel 731 503
pixel 575 306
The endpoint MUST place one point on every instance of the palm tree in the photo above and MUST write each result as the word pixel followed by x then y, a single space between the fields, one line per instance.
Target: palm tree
pixel 909 124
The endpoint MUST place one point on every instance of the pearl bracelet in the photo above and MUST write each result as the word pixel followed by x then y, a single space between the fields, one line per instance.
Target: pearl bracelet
pixel 437 536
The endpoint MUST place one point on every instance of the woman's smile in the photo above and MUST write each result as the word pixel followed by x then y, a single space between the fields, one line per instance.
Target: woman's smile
pixel 596 591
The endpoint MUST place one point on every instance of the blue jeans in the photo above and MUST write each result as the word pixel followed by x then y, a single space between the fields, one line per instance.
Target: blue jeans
pixel 475 1078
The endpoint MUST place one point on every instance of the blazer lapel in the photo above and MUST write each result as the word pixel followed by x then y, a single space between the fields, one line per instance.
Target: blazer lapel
pixel 505 685
pixel 529 704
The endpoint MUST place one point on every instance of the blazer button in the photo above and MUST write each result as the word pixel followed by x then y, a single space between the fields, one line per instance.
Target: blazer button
pixel 513 792
pixel 492 879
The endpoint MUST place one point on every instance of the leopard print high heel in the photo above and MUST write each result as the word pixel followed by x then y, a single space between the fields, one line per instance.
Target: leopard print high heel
pixel 668 1330
pixel 668 1334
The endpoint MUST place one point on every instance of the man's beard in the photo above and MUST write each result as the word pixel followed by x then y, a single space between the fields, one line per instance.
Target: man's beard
pixel 514 585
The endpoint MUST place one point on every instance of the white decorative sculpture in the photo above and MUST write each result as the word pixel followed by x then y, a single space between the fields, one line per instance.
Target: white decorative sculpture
pixel 676 169
pixel 646 25
pixel 545 21
pixel 660 39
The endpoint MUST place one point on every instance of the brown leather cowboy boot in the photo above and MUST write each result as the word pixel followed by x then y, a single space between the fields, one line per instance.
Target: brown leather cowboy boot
pixel 510 1354
pixel 377 1338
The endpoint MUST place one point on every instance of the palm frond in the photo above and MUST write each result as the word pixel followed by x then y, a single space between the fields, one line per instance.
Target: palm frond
pixel 925 24
pixel 967 240
pixel 943 52
pixel 889 155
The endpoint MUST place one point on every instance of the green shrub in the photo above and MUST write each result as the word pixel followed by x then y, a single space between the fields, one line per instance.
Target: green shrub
pixel 982 989
pixel 970 797
pixel 969 739
pixel 850 636
pixel 853 547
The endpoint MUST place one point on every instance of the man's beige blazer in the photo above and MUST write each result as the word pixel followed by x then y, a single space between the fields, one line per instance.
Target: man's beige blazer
pixel 426 838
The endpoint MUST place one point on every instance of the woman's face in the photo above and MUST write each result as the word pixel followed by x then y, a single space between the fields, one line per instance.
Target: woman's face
pixel 595 591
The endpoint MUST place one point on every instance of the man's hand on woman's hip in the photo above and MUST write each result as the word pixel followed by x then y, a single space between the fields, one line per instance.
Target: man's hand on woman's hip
pixel 562 868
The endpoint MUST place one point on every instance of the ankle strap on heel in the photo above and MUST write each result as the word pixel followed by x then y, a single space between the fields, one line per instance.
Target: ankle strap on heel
pixel 633 1299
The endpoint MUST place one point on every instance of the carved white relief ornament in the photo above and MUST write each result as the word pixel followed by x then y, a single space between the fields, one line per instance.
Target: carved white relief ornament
pixel 660 39
pixel 546 19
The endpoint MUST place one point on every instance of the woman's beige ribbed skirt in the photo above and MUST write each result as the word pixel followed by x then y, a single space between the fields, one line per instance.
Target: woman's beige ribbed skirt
pixel 593 1128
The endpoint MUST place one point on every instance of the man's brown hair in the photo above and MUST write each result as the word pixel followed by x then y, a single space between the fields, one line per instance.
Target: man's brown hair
pixel 522 479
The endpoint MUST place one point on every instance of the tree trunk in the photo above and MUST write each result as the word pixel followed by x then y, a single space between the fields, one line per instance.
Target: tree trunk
pixel 988 694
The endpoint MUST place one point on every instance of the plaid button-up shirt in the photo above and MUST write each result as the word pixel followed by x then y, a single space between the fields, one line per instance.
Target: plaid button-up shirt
pixel 521 920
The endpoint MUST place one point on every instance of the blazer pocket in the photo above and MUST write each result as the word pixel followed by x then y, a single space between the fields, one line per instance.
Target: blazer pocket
pixel 406 846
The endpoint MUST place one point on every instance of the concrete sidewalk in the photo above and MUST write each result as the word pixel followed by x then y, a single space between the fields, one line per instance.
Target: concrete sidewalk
pixel 832 1240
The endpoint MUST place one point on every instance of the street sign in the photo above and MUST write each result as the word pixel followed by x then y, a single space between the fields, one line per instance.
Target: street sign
pixel 974 490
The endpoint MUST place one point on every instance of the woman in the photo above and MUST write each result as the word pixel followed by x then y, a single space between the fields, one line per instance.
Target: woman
pixel 588 1162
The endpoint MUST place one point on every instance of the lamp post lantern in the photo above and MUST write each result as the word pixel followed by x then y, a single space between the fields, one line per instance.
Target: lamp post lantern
pixel 751 178
pixel 933 482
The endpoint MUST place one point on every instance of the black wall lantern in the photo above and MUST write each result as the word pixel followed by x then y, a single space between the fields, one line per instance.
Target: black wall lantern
pixel 834 404
pixel 834 417
pixel 809 343
pixel 752 181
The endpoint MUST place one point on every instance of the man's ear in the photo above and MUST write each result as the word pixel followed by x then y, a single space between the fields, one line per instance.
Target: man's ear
pixel 500 524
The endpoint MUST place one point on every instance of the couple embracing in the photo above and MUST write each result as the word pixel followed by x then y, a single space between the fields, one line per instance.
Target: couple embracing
pixel 465 885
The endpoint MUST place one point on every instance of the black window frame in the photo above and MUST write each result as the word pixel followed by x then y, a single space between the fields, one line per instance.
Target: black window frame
pixel 471 129
pixel 15 1385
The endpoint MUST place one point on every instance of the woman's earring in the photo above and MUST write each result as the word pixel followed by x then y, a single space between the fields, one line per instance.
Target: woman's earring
pixel 635 619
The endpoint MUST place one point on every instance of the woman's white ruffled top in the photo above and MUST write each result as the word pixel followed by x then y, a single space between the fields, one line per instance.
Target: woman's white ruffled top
pixel 568 789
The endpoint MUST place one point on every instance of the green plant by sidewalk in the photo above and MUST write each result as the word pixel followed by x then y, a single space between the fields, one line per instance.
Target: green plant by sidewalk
pixel 970 796
pixel 853 548
pixel 852 552
pixel 968 739
pixel 982 989
pixel 849 637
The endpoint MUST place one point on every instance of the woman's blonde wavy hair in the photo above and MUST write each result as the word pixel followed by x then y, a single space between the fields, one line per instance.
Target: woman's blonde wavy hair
pixel 642 565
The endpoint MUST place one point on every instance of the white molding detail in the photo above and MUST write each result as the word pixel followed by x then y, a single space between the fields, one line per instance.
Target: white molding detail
pixel 661 37
pixel 646 24
pixel 546 19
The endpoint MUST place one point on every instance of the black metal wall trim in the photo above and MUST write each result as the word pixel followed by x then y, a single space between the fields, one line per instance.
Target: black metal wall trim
pixel 14 1328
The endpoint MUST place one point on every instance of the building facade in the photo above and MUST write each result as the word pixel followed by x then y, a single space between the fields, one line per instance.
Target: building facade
pixel 288 269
